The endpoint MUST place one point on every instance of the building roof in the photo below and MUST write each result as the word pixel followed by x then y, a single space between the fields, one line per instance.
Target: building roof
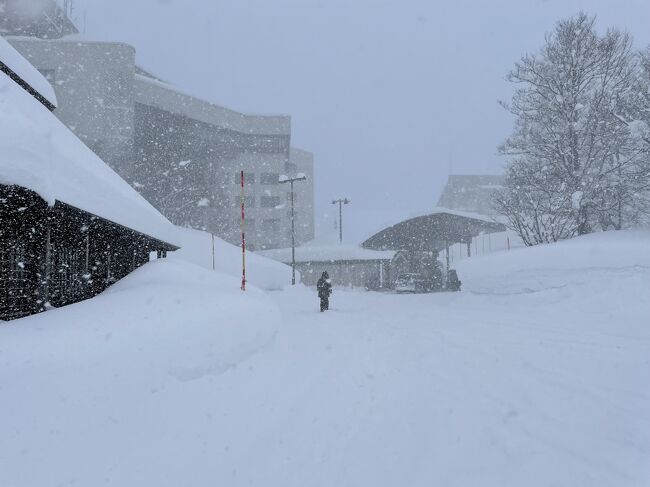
pixel 34 18
pixel 150 91
pixel 23 69
pixel 327 253
pixel 39 153
pixel 471 192
pixel 432 231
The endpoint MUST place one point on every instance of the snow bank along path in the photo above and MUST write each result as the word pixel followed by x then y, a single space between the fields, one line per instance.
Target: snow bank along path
pixel 262 272
pixel 526 378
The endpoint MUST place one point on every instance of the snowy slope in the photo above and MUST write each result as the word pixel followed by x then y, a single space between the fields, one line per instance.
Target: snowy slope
pixel 84 384
pixel 535 375
pixel 196 247
pixel 39 153
pixel 564 264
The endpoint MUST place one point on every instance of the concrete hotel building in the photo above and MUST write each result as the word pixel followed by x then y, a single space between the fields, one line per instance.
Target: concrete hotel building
pixel 182 153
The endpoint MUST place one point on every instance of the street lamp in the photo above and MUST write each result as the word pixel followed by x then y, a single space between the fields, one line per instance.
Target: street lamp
pixel 286 179
pixel 341 202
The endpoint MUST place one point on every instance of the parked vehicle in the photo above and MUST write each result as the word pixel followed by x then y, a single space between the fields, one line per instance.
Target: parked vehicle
pixel 411 283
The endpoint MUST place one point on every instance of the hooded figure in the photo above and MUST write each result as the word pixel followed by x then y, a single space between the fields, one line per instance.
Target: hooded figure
pixel 324 287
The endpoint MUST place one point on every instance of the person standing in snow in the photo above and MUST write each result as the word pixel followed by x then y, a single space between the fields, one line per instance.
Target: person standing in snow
pixel 324 287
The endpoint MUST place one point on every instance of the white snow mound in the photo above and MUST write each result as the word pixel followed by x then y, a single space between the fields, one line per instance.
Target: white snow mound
pixel 265 273
pixel 559 265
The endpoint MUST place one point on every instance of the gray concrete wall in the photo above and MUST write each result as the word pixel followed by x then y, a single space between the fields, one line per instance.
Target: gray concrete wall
pixel 362 274
pixel 18 18
pixel 203 154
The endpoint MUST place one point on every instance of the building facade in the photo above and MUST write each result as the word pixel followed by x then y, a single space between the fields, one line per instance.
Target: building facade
pixel 94 83
pixel 44 19
pixel 302 161
pixel 189 155
pixel 182 153
pixel 471 193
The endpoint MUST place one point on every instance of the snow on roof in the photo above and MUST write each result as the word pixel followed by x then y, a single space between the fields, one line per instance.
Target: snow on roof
pixel 440 210
pixel 465 214
pixel 39 153
pixel 29 74
pixel 327 253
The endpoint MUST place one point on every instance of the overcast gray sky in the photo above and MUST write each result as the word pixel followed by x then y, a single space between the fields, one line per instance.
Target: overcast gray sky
pixel 386 93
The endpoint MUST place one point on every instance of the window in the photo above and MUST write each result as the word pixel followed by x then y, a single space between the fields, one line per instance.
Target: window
pixel 249 201
pixel 271 226
pixel 269 201
pixel 49 75
pixel 269 178
pixel 249 177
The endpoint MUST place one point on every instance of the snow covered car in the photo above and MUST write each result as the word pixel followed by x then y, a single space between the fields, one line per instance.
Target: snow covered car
pixel 410 283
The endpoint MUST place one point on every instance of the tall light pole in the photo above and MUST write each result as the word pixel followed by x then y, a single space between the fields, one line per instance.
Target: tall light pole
pixel 286 179
pixel 341 202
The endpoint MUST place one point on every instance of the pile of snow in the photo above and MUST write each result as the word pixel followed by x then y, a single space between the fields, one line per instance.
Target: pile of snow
pixel 535 375
pixel 560 265
pixel 39 153
pixel 28 73
pixel 196 247
pixel 119 375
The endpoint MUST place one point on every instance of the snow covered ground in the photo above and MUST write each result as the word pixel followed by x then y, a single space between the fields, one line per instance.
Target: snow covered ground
pixel 535 375
pixel 261 272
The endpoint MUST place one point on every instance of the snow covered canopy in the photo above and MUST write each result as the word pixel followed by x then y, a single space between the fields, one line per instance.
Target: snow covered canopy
pixel 39 153
pixel 16 67
pixel 433 232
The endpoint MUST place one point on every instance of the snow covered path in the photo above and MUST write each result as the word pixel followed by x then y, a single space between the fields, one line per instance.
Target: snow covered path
pixel 404 390
pixel 536 374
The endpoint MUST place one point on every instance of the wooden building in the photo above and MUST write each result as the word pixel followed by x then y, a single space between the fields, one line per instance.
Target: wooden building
pixel 69 226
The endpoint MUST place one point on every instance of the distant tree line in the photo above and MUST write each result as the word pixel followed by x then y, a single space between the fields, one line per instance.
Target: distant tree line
pixel 579 154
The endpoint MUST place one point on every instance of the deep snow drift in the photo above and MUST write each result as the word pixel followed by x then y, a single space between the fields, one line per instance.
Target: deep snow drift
pixel 535 375
pixel 262 272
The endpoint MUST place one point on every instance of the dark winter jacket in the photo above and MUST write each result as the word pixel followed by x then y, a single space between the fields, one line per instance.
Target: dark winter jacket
pixel 324 286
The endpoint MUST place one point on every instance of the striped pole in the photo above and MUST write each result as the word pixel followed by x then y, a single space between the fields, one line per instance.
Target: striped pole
pixel 243 236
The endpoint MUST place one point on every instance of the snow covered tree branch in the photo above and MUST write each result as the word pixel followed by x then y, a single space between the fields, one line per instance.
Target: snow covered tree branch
pixel 578 156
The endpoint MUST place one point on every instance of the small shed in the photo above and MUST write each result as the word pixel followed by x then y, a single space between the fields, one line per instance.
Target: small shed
pixel 347 265
pixel 70 226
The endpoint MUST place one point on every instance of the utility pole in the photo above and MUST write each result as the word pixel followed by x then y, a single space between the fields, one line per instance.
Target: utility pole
pixel 286 179
pixel 341 202
pixel 243 234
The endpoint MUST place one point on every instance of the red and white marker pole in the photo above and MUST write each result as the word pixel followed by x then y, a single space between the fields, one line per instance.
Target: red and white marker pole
pixel 243 236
